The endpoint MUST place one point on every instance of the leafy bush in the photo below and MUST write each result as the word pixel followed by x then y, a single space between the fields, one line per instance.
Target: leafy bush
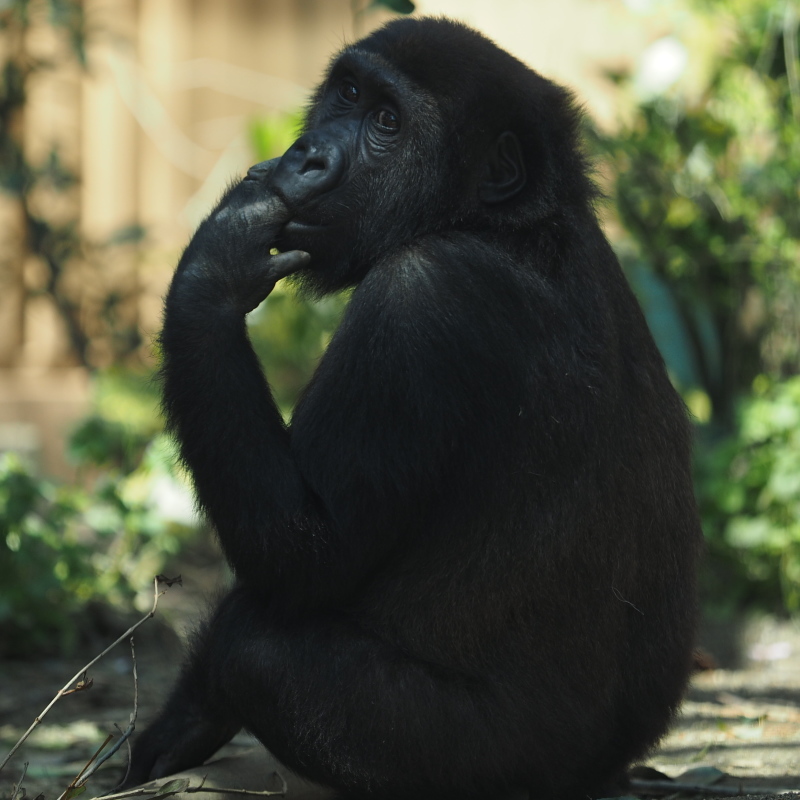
pixel 748 486
pixel 706 190
pixel 43 562
pixel 63 547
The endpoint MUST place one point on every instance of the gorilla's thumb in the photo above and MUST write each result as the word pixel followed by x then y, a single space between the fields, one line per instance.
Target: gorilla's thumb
pixel 287 263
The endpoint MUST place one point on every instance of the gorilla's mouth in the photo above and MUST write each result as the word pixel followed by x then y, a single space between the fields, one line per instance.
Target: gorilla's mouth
pixel 308 218
pixel 306 223
pixel 303 227
pixel 304 232
pixel 318 212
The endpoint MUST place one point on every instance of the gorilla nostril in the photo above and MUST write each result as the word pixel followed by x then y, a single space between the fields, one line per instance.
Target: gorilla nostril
pixel 313 165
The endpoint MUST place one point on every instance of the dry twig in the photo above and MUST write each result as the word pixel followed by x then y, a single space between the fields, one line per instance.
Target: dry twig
pixel 182 786
pixel 15 791
pixel 82 672
pixel 76 785
pixel 126 734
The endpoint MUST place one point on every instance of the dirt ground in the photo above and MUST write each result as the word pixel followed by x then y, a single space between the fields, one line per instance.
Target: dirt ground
pixel 741 718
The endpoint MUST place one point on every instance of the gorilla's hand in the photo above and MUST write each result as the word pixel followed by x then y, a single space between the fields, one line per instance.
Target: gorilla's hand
pixel 228 262
pixel 173 744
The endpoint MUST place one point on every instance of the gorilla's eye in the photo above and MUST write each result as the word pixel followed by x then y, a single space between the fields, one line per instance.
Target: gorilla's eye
pixel 348 91
pixel 388 120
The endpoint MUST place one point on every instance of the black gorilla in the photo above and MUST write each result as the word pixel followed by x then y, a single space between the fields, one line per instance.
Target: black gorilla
pixel 467 566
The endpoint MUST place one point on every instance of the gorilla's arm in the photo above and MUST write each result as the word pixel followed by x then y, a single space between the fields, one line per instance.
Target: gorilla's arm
pixel 403 410
pixel 306 513
pixel 235 443
pixel 219 406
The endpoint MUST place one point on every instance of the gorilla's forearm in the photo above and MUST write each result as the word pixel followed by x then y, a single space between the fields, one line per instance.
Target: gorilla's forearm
pixel 237 447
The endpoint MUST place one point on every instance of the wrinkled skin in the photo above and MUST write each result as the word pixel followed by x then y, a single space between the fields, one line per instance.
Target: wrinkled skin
pixel 466 568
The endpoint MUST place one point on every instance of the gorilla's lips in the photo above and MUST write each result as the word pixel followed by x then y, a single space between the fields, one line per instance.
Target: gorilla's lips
pixel 308 219
pixel 305 230
pixel 305 224
pixel 317 211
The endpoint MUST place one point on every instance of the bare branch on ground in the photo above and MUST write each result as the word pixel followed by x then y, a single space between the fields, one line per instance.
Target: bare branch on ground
pixel 183 786
pixel 80 675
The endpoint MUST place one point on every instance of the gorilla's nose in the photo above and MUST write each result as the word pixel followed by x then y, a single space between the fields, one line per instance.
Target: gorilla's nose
pixel 313 165
pixel 258 172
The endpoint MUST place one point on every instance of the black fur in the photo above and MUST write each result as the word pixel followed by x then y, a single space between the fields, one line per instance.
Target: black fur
pixel 467 567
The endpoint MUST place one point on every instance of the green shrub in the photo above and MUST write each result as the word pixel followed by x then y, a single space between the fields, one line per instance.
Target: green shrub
pixel 748 486
pixel 63 547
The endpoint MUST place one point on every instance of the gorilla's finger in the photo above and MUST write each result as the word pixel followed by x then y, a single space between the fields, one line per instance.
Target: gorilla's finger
pixel 284 264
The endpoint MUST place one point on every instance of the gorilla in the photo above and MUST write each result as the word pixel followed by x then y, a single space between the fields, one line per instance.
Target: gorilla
pixel 466 568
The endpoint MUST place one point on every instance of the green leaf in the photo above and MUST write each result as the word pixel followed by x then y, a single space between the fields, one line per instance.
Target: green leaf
pixel 398 6
pixel 173 787
pixel 748 532
pixel 74 792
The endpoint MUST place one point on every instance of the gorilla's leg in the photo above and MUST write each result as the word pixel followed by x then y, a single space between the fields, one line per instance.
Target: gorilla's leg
pixel 344 708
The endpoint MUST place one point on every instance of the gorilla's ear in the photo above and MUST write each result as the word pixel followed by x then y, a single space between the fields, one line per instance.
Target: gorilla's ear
pixel 504 171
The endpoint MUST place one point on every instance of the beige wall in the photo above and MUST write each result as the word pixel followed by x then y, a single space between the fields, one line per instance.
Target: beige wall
pixel 157 127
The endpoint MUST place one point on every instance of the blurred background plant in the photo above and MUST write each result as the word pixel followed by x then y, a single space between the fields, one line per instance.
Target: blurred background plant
pixel 43 188
pixel 66 548
pixel 749 494
pixel 704 212
pixel 707 194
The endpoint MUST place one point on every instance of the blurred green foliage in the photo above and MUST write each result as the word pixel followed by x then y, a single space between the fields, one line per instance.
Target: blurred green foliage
pixel 62 547
pixel 749 495
pixel 42 564
pixel 359 8
pixel 272 135
pixel 104 539
pixel 708 193
pixel 398 6
pixel 289 335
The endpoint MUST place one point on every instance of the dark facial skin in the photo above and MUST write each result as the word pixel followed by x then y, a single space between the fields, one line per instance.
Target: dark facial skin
pixel 318 178
pixel 465 569
pixel 370 132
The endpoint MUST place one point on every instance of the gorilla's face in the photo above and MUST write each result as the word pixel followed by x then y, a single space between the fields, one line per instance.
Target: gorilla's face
pixel 379 165
pixel 341 178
